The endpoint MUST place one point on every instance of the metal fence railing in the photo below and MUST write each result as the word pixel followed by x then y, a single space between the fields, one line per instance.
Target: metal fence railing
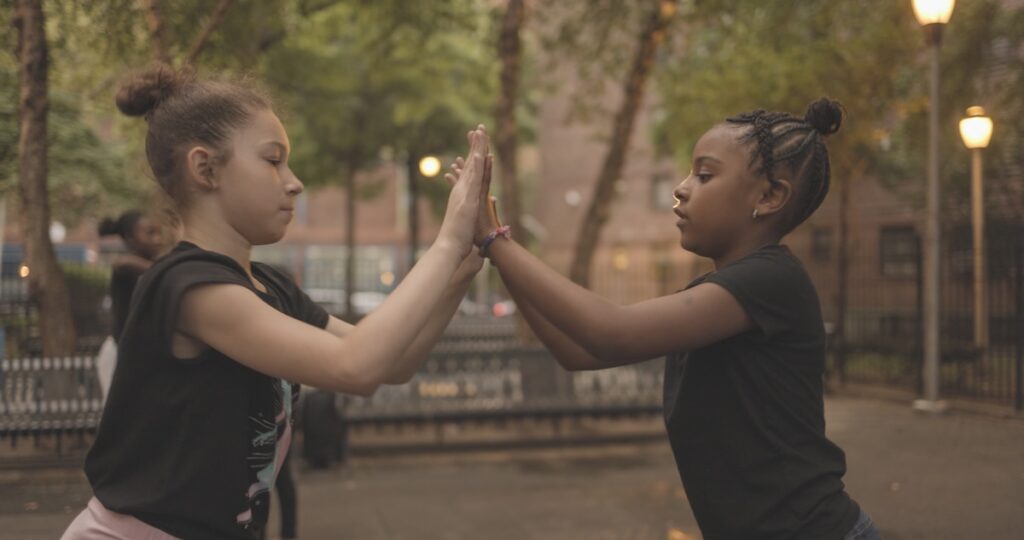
pixel 882 332
pixel 473 374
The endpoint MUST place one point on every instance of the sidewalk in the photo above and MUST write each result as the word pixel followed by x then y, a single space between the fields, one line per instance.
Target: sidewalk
pixel 959 476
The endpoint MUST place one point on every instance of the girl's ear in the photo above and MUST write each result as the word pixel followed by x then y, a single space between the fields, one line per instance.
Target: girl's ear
pixel 774 197
pixel 199 165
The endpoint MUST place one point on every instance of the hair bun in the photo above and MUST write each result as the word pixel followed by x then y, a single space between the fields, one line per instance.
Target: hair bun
pixel 825 115
pixel 144 91
pixel 109 227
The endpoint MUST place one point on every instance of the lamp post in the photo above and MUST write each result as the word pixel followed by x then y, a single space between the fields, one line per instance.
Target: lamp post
pixel 976 131
pixel 933 16
pixel 428 167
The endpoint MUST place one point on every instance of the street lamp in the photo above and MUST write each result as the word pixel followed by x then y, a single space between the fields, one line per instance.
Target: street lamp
pixel 933 16
pixel 430 166
pixel 976 131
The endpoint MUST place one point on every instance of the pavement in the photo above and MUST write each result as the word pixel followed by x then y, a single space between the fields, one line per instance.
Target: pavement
pixel 920 476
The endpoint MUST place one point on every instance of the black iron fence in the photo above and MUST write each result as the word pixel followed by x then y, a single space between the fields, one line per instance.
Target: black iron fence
pixel 475 373
pixel 881 337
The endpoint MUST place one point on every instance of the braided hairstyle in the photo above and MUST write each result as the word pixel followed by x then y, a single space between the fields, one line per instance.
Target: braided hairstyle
pixel 799 143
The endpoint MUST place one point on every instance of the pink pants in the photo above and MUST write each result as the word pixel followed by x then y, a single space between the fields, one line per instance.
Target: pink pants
pixel 98 523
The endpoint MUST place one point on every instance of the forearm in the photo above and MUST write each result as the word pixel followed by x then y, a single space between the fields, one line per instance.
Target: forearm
pixel 417 353
pixel 569 354
pixel 390 330
pixel 584 317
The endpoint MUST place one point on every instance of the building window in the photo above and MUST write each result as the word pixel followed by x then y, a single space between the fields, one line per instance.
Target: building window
pixel 821 244
pixel 898 251
pixel 662 185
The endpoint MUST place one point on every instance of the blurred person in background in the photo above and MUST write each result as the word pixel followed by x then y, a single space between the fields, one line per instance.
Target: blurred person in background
pixel 144 241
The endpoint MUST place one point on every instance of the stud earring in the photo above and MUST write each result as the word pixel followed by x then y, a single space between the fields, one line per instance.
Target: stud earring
pixel 755 213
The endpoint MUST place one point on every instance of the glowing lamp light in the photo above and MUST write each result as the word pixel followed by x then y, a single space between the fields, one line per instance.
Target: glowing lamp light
pixel 976 129
pixel 933 11
pixel 430 166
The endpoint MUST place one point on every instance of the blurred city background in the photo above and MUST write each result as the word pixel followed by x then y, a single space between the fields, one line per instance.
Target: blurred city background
pixel 594 107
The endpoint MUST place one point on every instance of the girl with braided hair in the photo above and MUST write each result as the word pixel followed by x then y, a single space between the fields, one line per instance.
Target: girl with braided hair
pixel 745 344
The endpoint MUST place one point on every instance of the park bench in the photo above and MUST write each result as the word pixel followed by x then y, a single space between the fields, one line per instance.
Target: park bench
pixel 475 377
pixel 54 397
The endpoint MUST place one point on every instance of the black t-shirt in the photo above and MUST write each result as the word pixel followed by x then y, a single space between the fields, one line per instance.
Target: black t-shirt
pixel 745 416
pixel 193 446
pixel 122 283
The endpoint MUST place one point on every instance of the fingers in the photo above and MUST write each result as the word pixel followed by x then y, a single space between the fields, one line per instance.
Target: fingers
pixel 478 147
pixel 488 163
pixel 453 176
pixel 473 173
pixel 479 141
pixel 492 211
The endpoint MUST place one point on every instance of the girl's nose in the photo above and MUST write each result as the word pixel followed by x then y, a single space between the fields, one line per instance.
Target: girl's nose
pixel 295 185
pixel 681 192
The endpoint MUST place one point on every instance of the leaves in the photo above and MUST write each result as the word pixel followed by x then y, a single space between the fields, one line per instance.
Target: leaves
pixel 736 56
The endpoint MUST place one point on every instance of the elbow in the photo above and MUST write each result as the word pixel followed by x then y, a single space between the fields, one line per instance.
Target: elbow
pixel 362 388
pixel 356 382
pixel 571 366
pixel 576 361
pixel 400 378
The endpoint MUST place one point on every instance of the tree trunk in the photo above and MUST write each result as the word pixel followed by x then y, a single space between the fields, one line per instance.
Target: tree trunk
pixel 350 238
pixel 216 17
pixel 506 138
pixel 157 31
pixel 47 287
pixel 600 206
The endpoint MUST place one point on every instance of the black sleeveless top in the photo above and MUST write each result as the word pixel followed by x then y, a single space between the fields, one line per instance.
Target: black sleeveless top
pixel 192 447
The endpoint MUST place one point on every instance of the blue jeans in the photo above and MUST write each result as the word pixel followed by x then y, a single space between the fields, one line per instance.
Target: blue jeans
pixel 864 529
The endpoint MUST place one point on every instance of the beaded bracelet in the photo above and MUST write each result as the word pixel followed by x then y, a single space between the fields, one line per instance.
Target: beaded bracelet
pixel 504 231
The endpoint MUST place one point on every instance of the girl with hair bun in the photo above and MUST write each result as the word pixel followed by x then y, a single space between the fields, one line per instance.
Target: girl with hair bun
pixel 143 241
pixel 745 343
pixel 214 346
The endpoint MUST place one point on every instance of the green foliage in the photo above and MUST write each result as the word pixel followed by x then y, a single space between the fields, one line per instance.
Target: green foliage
pixel 869 54
pixel 598 39
pixel 86 173
pixel 740 56
pixel 357 78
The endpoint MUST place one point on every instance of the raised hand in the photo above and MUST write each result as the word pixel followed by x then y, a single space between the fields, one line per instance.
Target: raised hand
pixel 487 213
pixel 460 218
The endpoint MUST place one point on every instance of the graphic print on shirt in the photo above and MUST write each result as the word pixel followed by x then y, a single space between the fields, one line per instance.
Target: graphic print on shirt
pixel 271 433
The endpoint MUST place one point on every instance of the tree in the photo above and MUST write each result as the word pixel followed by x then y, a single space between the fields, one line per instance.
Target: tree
pixel 47 286
pixel 506 130
pixel 158 32
pixel 599 209
pixel 363 77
